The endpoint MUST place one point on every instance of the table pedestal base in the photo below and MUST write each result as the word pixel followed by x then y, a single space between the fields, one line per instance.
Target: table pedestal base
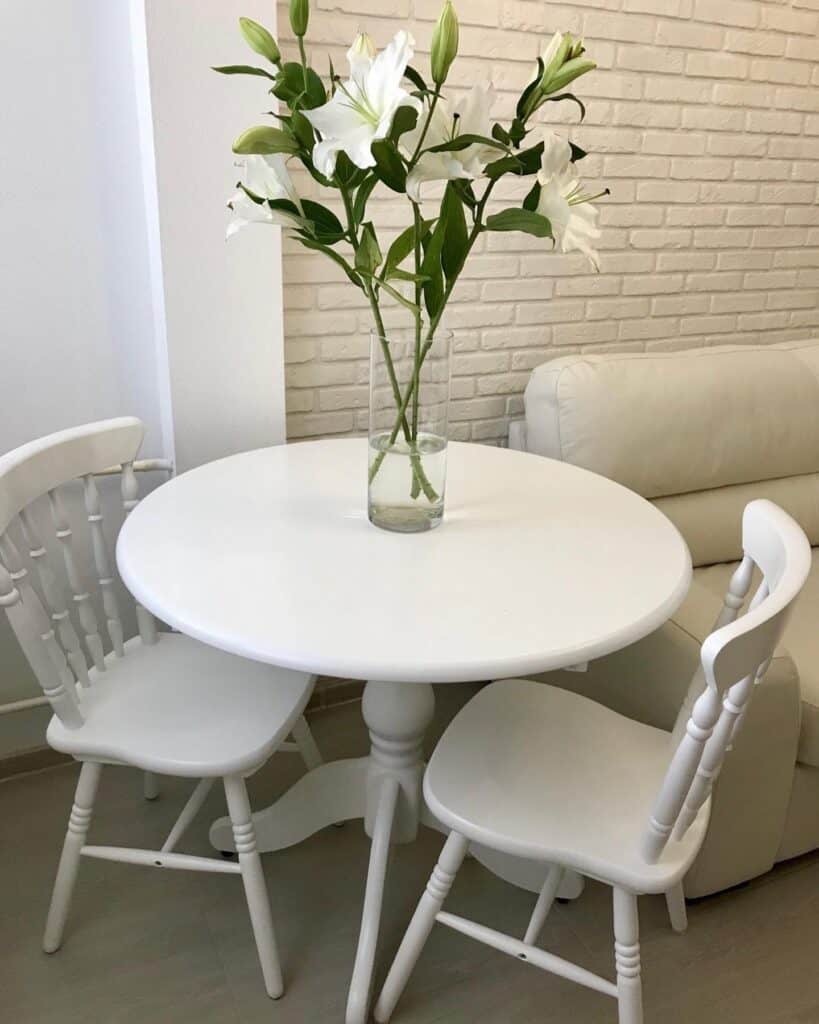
pixel 385 790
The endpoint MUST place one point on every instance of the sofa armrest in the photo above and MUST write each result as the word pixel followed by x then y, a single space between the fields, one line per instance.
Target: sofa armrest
pixel 517 435
pixel 649 681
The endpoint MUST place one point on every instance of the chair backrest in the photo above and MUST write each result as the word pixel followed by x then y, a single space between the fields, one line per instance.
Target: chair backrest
pixel 734 659
pixel 38 608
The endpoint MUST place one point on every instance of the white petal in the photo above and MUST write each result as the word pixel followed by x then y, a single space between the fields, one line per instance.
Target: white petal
pixel 557 154
pixel 438 131
pixel 337 117
pixel 384 77
pixel 433 167
pixel 324 156
pixel 474 110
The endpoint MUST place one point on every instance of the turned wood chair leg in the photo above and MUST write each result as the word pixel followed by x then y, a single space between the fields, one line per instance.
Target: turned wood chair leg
pixel 437 890
pixel 544 903
pixel 627 957
pixel 675 901
pixel 75 836
pixel 258 903
pixel 150 786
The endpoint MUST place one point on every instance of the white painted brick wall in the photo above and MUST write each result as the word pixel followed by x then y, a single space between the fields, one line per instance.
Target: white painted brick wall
pixel 703 119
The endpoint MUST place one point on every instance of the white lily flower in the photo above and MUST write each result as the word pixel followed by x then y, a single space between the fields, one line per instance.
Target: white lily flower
pixel 362 108
pixel 469 116
pixel 562 200
pixel 266 177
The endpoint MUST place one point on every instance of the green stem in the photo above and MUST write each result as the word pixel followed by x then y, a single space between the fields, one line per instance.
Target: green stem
pixel 432 105
pixel 435 321
pixel 416 369
pixel 419 477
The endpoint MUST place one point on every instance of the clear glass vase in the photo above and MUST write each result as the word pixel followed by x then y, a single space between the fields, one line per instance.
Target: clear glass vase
pixel 409 409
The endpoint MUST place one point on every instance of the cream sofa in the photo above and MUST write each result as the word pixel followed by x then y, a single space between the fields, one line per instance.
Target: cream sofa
pixel 700 433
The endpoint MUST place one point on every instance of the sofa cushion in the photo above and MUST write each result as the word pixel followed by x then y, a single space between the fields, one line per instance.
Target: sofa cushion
pixel 674 422
pixel 711 521
pixel 802 642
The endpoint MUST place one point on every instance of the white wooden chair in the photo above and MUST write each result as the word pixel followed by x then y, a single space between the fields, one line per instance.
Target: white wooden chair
pixel 539 772
pixel 158 701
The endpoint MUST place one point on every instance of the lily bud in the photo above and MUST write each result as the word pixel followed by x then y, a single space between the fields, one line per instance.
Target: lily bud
pixel 577 49
pixel 444 44
pixel 363 48
pixel 554 57
pixel 299 16
pixel 571 69
pixel 259 39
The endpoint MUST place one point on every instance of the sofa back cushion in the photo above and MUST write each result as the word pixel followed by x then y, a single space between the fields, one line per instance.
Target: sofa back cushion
pixel 695 430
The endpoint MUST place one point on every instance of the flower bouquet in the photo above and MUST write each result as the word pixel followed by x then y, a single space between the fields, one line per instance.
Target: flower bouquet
pixel 387 124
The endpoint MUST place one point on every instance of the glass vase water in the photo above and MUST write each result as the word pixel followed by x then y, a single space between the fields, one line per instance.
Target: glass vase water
pixel 409 411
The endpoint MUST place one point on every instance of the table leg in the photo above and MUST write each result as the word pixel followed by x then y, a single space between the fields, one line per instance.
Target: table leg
pixel 397 715
pixel 384 789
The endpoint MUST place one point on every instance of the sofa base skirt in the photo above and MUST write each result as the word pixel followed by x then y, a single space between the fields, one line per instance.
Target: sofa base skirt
pixel 801 832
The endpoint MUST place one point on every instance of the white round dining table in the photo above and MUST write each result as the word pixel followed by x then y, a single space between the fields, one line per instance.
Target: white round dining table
pixel 269 555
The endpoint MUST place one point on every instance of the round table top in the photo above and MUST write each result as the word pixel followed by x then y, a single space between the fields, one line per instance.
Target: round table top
pixel 537 565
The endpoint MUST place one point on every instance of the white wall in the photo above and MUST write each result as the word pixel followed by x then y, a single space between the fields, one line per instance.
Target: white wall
pixel 223 302
pixel 75 306
pixel 118 292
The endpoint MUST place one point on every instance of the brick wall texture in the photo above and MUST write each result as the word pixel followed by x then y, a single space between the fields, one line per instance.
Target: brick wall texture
pixel 703 119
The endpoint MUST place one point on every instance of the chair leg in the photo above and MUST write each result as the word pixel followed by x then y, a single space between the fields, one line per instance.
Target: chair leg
pixel 258 902
pixel 75 836
pixel 437 890
pixel 544 904
pixel 627 957
pixel 310 753
pixel 150 786
pixel 675 901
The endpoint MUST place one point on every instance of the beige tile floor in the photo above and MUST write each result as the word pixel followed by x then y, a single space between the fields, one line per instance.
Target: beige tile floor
pixel 146 947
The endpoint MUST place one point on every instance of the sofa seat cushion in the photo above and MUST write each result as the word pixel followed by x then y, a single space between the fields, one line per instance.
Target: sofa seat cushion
pixel 802 642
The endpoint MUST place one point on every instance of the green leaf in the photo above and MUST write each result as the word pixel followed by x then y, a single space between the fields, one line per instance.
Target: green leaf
pixel 406 118
pixel 259 39
pixel 415 78
pixel 532 197
pixel 265 140
pixel 405 275
pixel 527 161
pixel 312 243
pixel 395 294
pixel 400 249
pixel 303 130
pixel 514 219
pixel 431 267
pixel 346 170
pixel 244 69
pixel 522 108
pixel 299 87
pixel 466 192
pixel 463 141
pixel 368 253
pixel 453 250
pixel 577 152
pixel 568 96
pixel 501 134
pixel 327 226
pixel 284 205
pixel 389 166
pixel 506 165
pixel 362 195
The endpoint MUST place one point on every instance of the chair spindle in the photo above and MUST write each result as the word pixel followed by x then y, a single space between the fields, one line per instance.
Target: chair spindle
pixel 103 565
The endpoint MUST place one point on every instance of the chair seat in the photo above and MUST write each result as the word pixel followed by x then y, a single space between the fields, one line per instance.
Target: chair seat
pixel 542 773
pixel 180 707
